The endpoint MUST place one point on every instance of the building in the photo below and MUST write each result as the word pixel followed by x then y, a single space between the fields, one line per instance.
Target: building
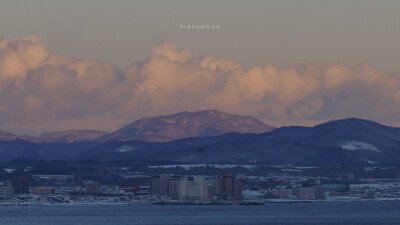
pixel 143 191
pixel 238 190
pixel 166 185
pixel 20 184
pixel 228 188
pixel 211 190
pixel 53 177
pixel 194 188
pixel 108 189
pixel 225 186
pixel 92 187
pixel 43 190
pixel 126 190
pixel 309 192
pixel 338 187
pixel 174 184
pixel 6 190
pixel 282 192
pixel 159 184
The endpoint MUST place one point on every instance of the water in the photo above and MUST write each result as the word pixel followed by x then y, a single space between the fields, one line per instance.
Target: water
pixel 330 213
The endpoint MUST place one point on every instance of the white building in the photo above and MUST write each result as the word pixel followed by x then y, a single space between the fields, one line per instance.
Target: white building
pixel 6 190
pixel 193 189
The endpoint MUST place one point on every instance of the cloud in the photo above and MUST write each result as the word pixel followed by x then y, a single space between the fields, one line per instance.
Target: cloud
pixel 20 55
pixel 41 91
pixel 168 50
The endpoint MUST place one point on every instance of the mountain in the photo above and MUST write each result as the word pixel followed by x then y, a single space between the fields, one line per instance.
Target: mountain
pixel 349 142
pixel 187 124
pixel 6 136
pixel 22 149
pixel 59 136
pixel 158 129
pixel 71 136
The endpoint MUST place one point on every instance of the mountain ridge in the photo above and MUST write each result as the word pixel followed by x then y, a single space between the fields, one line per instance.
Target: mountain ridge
pixel 158 128
pixel 57 136
pixel 348 142
pixel 187 124
pixel 353 142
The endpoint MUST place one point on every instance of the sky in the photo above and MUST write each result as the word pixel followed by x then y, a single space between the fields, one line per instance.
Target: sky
pixel 98 64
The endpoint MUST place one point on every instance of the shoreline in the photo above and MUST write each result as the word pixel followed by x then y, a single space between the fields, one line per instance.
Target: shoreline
pixel 271 201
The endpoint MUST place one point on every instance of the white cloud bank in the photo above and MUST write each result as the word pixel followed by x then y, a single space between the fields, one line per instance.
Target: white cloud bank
pixel 40 91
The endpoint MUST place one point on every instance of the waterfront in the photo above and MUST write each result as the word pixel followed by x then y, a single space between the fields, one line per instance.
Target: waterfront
pixel 332 213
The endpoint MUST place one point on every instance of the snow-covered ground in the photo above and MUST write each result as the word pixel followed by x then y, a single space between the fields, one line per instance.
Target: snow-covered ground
pixel 359 145
pixel 125 148
pixel 191 166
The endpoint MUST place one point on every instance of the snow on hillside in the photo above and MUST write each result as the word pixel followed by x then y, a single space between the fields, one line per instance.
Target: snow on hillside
pixel 125 148
pixel 358 145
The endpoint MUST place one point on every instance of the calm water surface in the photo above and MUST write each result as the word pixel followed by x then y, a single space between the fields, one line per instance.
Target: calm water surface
pixel 332 213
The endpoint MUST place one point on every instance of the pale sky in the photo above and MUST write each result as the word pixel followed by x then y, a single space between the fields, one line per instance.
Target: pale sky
pixel 97 64
pixel 253 32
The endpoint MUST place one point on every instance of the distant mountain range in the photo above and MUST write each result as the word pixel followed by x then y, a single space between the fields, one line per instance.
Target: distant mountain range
pixel 187 124
pixel 159 129
pixel 60 136
pixel 71 136
pixel 6 136
pixel 348 142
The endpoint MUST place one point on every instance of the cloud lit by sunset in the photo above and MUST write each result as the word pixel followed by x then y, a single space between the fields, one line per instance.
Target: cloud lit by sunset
pixel 41 91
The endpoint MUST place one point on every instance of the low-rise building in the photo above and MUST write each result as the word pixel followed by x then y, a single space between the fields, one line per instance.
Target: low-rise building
pixel 92 187
pixel 282 192
pixel 6 190
pixel 43 190
pixel 338 187
pixel 309 192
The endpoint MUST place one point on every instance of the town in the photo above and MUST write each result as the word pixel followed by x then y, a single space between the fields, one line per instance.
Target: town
pixel 171 184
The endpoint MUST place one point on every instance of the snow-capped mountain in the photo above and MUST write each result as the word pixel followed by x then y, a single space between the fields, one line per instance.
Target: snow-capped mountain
pixel 187 124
